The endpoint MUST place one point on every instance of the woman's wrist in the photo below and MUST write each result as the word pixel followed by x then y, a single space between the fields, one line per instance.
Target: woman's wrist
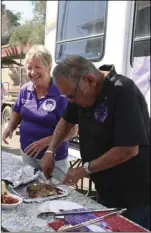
pixel 47 140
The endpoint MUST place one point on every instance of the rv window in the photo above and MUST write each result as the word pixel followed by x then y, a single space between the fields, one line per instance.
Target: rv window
pixel 142 28
pixel 141 38
pixel 81 29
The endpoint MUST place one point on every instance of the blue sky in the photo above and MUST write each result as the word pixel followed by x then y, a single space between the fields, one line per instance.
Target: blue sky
pixel 25 7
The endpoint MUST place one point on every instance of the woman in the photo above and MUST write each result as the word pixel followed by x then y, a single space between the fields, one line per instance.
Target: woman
pixel 38 109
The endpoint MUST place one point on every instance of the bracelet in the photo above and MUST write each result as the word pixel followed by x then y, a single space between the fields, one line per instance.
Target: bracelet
pixel 50 152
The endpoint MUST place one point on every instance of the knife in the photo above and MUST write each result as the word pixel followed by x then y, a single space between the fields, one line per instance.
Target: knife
pixel 41 175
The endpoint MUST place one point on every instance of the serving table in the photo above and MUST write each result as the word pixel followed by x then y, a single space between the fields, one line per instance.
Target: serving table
pixel 24 217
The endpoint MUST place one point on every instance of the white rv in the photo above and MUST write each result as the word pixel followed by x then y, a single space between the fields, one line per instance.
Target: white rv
pixel 105 32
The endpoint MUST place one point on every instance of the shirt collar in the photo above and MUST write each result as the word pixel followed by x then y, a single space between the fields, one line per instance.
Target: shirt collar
pixel 52 91
pixel 30 87
pixel 107 83
pixel 110 68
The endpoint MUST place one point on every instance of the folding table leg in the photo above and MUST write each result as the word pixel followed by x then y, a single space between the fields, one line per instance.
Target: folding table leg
pixel 90 187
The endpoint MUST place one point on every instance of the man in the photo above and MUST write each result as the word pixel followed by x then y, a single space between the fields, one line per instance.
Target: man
pixel 114 134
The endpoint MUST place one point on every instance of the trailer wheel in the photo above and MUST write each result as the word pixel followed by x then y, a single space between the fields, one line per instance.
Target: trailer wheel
pixel 6 114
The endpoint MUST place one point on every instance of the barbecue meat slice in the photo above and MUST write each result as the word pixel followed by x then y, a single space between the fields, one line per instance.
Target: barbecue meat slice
pixel 42 190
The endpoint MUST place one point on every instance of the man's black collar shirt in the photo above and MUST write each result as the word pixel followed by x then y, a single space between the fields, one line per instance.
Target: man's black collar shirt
pixel 119 118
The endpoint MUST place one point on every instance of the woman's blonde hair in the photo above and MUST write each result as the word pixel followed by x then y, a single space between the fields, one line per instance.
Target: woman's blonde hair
pixel 41 52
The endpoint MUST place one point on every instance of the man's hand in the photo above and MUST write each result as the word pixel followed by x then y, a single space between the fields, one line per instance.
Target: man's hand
pixel 47 164
pixel 74 174
pixel 7 133
pixel 36 147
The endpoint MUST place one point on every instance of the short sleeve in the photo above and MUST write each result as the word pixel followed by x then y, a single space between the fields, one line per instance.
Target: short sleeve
pixel 18 103
pixel 129 126
pixel 71 113
pixel 61 106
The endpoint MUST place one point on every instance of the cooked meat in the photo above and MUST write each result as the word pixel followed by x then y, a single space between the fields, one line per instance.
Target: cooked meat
pixel 42 190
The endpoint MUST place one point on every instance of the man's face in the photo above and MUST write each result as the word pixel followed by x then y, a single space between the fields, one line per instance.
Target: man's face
pixel 83 94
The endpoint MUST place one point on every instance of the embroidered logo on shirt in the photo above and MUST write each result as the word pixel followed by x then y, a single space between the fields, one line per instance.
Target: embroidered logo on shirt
pixel 49 105
pixel 100 113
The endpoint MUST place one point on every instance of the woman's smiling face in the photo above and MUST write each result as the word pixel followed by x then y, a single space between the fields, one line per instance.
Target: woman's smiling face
pixel 37 72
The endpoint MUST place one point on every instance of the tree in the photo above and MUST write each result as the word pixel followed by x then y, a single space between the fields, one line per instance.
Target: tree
pixel 10 21
pixel 28 33
pixel 39 11
pixel 33 31
pixel 13 17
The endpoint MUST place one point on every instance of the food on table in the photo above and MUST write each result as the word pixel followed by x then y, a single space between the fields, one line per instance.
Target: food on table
pixel 3 188
pixel 5 197
pixel 42 190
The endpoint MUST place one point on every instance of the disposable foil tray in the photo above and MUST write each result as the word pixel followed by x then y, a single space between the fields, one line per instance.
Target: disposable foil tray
pixel 22 191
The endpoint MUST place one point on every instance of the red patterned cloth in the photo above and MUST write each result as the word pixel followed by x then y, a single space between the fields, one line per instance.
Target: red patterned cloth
pixel 121 224
pixel 117 223
pixel 56 224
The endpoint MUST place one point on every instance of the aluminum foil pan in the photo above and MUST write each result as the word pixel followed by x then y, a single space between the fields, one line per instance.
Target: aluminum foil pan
pixel 19 175
pixel 22 191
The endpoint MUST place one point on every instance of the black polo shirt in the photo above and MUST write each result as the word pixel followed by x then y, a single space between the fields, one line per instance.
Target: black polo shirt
pixel 119 118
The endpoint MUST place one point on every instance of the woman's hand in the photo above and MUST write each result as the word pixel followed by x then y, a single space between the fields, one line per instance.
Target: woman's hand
pixel 7 133
pixel 12 125
pixel 36 147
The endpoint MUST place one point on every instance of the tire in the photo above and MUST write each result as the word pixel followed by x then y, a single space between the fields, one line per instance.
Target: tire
pixel 6 114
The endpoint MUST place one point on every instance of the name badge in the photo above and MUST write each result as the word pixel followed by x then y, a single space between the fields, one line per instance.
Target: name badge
pixel 100 113
pixel 49 105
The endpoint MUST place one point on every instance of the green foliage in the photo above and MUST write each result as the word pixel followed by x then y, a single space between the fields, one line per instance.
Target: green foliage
pixel 13 17
pixel 21 34
pixel 10 21
pixel 33 31
pixel 39 11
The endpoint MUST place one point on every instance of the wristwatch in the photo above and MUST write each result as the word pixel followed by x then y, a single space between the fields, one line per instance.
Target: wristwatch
pixel 86 167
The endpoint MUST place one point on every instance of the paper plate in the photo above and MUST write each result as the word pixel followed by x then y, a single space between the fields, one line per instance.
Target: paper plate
pixel 57 205
pixel 11 206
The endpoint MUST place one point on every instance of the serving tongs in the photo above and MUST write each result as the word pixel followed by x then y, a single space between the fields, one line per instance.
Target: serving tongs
pixel 44 215
pixel 67 228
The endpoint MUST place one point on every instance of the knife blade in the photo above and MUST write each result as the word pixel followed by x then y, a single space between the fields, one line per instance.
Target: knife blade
pixel 41 175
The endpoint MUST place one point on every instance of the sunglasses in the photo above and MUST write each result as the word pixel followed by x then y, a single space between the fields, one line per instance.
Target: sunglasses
pixel 72 96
